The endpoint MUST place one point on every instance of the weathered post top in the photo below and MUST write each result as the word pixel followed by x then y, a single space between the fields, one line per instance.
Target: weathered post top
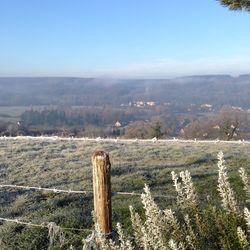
pixel 101 156
pixel 102 191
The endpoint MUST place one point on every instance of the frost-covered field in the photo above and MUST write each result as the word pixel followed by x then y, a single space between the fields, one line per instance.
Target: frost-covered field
pixel 64 163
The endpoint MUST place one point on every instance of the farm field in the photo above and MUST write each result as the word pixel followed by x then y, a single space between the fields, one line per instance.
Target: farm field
pixel 66 164
pixel 13 113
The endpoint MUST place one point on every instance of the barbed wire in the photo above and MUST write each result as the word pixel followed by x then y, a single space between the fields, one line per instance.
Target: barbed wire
pixel 139 194
pixel 42 225
pixel 55 190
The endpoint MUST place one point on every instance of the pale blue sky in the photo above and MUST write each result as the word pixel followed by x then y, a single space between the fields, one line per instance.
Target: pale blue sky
pixel 122 38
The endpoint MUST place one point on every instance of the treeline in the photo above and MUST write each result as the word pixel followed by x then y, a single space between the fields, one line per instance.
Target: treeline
pixel 226 124
pixel 60 118
pixel 82 121
pixel 217 90
pixel 102 116
pixel 94 121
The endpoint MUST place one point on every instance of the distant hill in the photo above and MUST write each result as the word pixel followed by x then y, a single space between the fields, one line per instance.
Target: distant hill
pixel 214 89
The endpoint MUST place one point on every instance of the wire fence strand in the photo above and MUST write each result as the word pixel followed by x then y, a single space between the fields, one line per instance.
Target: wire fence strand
pixel 42 225
pixel 55 190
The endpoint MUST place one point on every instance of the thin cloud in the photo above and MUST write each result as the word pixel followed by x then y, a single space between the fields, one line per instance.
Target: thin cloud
pixel 173 68
pixel 162 68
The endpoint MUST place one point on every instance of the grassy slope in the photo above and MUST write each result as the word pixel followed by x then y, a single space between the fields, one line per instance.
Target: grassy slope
pixel 67 165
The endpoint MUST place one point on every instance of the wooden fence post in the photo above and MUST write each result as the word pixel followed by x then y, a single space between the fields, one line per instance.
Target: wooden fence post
pixel 102 191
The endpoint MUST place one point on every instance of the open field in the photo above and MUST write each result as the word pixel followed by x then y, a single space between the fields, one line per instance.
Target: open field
pixel 13 113
pixel 65 164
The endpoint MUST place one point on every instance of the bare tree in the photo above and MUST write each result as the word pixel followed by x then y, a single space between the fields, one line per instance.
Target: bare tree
pixel 138 129
pixel 229 123
pixel 232 122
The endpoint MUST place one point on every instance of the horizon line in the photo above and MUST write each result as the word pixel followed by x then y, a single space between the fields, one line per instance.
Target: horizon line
pixel 126 78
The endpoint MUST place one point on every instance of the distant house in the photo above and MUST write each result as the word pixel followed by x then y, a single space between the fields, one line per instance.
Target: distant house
pixel 182 131
pixel 206 105
pixel 237 108
pixel 118 124
pixel 151 104
pixel 140 104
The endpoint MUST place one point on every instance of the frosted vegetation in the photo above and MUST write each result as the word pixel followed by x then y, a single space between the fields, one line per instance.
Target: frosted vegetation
pixel 191 225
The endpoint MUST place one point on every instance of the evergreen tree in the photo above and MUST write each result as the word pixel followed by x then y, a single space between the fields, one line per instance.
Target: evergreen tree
pixel 156 130
pixel 236 4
